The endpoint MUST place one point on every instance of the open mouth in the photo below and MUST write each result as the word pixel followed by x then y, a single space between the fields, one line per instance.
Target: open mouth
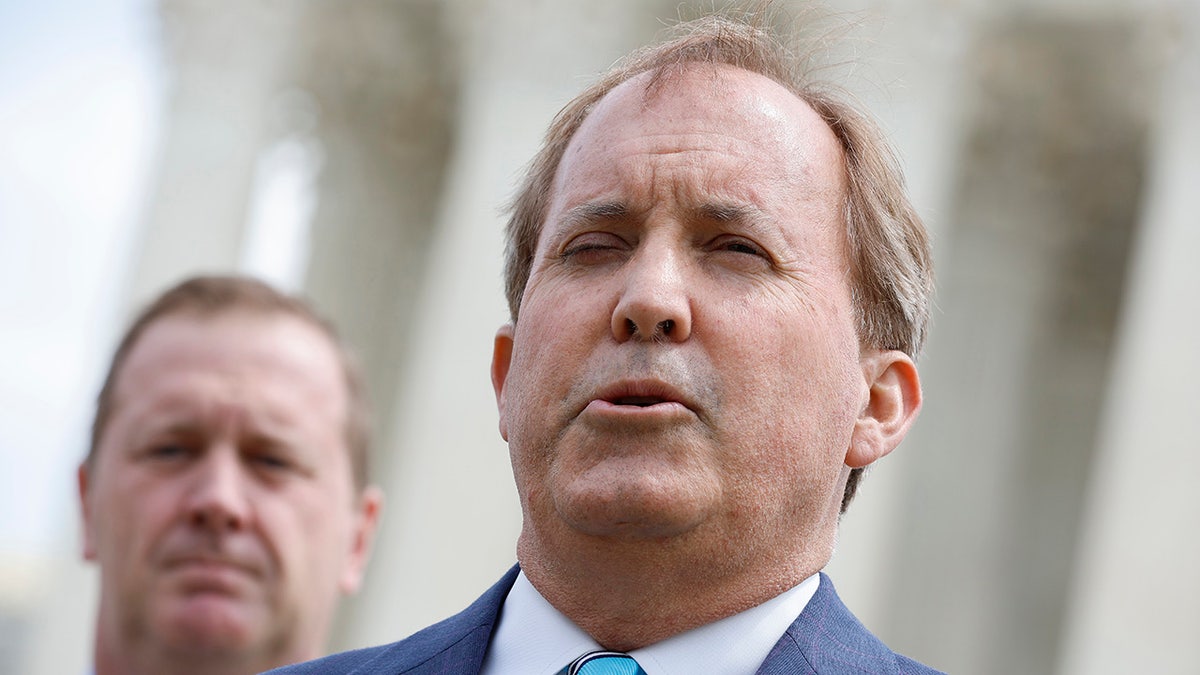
pixel 639 401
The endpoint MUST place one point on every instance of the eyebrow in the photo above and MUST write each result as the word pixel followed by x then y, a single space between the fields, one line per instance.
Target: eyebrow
pixel 747 216
pixel 732 213
pixel 596 211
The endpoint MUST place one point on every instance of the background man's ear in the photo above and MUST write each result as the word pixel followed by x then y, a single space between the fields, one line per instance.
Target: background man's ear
pixel 502 348
pixel 85 511
pixel 367 514
pixel 893 401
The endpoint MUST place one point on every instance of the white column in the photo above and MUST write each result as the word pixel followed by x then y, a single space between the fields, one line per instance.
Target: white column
pixel 1136 596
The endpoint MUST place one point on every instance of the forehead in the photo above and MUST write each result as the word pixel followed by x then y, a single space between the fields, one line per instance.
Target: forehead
pixel 279 361
pixel 735 128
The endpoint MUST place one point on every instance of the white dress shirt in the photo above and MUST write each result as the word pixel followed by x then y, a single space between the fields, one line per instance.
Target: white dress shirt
pixel 534 638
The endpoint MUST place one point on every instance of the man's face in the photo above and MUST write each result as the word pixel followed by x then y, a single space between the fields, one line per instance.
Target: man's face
pixel 220 506
pixel 685 367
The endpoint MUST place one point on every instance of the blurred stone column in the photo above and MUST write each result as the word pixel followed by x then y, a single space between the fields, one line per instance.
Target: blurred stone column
pixel 1135 600
pixel 383 80
pixel 382 77
pixel 225 62
pixel 912 80
pixel 1031 286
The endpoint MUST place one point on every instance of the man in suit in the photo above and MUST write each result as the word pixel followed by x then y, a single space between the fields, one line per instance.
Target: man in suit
pixel 225 493
pixel 718 288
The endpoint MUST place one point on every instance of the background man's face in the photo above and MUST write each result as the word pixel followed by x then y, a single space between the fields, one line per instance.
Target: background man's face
pixel 221 506
pixel 714 204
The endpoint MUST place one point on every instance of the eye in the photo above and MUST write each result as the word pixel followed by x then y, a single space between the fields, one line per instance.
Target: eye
pixel 593 247
pixel 168 451
pixel 739 245
pixel 270 461
pixel 269 456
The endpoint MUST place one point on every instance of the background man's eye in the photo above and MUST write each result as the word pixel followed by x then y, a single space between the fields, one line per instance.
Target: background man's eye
pixel 270 461
pixel 168 451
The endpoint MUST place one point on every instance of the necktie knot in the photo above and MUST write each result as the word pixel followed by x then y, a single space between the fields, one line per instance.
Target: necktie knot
pixel 603 663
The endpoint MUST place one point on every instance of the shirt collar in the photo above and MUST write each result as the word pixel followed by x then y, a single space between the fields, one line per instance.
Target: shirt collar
pixel 534 638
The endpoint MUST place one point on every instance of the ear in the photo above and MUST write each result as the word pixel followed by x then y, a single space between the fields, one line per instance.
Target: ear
pixel 893 399
pixel 502 349
pixel 85 511
pixel 367 516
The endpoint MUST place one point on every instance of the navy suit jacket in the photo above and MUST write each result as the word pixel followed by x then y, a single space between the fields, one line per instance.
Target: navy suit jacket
pixel 825 639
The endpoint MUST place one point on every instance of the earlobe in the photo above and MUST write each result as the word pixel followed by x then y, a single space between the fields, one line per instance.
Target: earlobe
pixel 893 401
pixel 501 359
pixel 85 511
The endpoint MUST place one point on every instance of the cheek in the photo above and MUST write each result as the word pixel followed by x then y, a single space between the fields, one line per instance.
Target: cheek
pixel 307 522
pixel 129 516
pixel 549 347
pixel 805 381
pixel 295 514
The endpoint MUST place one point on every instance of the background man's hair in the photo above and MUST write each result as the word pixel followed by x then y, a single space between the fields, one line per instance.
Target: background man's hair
pixel 891 267
pixel 212 296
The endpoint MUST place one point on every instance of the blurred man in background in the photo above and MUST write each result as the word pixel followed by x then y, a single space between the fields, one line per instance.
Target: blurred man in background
pixel 225 493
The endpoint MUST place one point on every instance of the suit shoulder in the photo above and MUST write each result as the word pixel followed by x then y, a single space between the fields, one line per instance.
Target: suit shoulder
pixel 432 650
pixel 453 645
pixel 344 662
pixel 911 667
pixel 828 639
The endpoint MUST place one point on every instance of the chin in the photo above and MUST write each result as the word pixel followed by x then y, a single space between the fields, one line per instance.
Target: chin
pixel 211 625
pixel 642 506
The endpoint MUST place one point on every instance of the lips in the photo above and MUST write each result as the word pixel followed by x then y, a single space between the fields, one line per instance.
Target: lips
pixel 642 394
pixel 208 562
pixel 639 401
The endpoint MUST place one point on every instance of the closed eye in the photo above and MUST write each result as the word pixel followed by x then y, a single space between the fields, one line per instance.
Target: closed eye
pixel 270 461
pixel 592 245
pixel 168 451
pixel 268 454
pixel 740 245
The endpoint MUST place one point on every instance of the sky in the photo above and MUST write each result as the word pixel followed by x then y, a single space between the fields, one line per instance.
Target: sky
pixel 80 96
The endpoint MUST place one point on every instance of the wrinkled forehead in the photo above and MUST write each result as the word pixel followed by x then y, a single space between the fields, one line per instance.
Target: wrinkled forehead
pixel 723 132
pixel 716 106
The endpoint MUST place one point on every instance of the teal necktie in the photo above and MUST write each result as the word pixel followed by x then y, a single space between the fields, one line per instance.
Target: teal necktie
pixel 603 663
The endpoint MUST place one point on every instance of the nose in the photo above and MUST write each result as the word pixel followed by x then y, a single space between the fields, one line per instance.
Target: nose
pixel 217 499
pixel 655 304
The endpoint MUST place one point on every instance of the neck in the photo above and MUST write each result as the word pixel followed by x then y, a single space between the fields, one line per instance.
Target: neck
pixel 115 656
pixel 161 662
pixel 630 594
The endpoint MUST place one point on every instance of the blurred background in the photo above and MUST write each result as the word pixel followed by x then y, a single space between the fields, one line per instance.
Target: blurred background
pixel 1043 517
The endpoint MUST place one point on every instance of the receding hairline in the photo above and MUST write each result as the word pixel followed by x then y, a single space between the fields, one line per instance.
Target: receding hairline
pixel 325 361
pixel 209 317
pixel 213 297
pixel 653 83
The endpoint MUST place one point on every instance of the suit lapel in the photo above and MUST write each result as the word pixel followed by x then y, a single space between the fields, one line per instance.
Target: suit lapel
pixel 455 646
pixel 826 639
